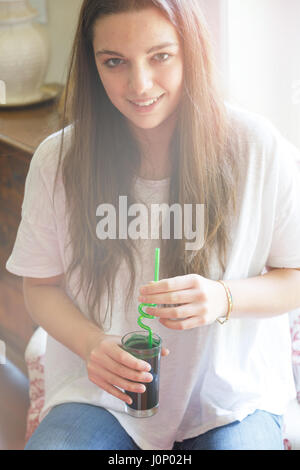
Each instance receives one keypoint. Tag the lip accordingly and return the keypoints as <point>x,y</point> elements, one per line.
<point>146,99</point>
<point>146,109</point>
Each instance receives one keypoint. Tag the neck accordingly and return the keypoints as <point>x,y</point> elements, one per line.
<point>154,145</point>
<point>155,168</point>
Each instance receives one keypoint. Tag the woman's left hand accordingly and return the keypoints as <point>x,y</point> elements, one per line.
<point>201,301</point>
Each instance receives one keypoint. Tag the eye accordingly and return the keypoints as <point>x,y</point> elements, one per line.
<point>111,65</point>
<point>107,63</point>
<point>164,54</point>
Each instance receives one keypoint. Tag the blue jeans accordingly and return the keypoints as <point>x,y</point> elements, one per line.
<point>78,426</point>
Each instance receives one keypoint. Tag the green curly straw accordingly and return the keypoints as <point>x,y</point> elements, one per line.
<point>140,308</point>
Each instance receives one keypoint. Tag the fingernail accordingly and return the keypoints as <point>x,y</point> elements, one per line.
<point>150,310</point>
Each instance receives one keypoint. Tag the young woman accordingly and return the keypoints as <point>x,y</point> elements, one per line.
<point>228,377</point>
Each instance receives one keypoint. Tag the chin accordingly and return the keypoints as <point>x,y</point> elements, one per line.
<point>142,124</point>
<point>149,126</point>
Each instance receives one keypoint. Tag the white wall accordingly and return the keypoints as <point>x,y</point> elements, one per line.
<point>215,12</point>
<point>62,16</point>
<point>264,60</point>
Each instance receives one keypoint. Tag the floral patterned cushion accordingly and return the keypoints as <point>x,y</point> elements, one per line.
<point>292,416</point>
<point>34,357</point>
<point>295,335</point>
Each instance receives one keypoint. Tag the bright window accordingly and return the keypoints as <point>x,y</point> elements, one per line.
<point>263,60</point>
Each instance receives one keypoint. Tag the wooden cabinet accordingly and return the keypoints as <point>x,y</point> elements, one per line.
<point>14,166</point>
<point>20,134</point>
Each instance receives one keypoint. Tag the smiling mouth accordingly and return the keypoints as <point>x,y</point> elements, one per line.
<point>147,102</point>
<point>147,108</point>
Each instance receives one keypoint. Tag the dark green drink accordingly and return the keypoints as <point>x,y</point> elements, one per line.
<point>137,343</point>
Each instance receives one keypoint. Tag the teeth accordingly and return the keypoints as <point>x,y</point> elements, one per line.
<point>147,103</point>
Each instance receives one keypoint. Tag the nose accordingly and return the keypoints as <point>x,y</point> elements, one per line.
<point>140,81</point>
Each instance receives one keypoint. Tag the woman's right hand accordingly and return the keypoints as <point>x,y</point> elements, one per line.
<point>109,367</point>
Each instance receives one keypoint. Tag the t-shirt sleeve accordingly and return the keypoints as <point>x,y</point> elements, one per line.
<point>285,247</point>
<point>36,249</point>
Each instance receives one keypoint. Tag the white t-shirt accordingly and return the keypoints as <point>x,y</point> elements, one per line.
<point>215,374</point>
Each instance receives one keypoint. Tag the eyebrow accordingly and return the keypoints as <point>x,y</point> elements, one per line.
<point>153,49</point>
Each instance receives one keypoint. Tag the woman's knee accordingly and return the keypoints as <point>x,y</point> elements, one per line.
<point>258,431</point>
<point>53,433</point>
<point>76,426</point>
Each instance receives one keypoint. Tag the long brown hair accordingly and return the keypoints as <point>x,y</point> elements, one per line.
<point>204,169</point>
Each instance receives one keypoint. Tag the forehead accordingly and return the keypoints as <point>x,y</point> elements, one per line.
<point>143,28</point>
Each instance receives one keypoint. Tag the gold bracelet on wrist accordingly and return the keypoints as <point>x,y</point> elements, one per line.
<point>223,320</point>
